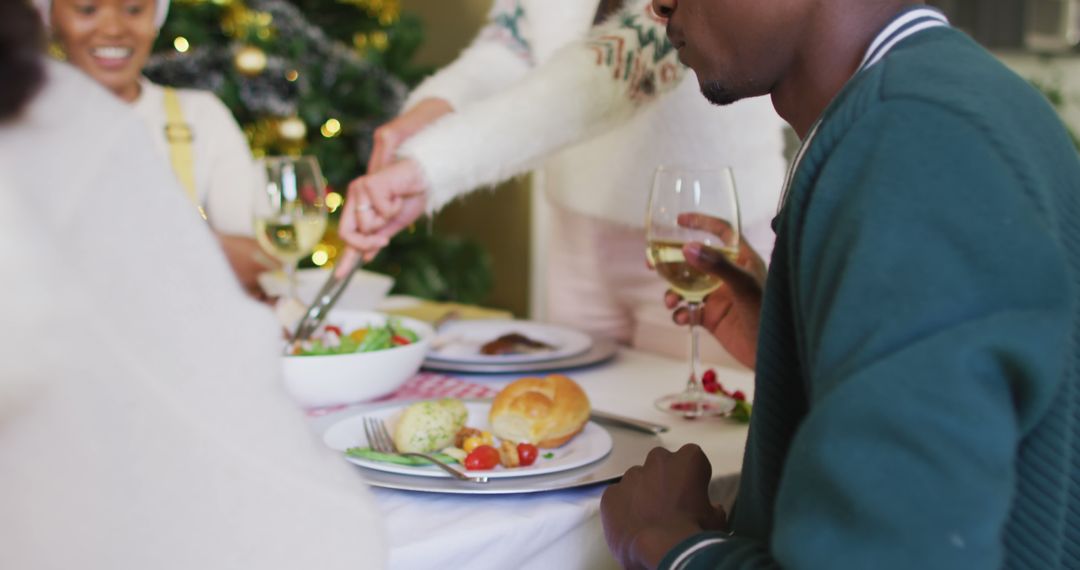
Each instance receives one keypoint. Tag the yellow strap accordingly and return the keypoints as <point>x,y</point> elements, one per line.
<point>179,136</point>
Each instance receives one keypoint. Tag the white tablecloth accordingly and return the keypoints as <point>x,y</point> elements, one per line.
<point>556,530</point>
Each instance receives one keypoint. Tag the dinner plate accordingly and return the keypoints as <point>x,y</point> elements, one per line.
<point>460,341</point>
<point>589,446</point>
<point>602,350</point>
<point>629,448</point>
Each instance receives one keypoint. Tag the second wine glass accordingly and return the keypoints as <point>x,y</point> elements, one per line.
<point>691,205</point>
<point>290,210</point>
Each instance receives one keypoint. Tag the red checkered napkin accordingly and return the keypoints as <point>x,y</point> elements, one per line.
<point>423,386</point>
<point>426,385</point>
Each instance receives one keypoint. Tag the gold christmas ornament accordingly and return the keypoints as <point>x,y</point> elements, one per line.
<point>250,61</point>
<point>241,23</point>
<point>292,129</point>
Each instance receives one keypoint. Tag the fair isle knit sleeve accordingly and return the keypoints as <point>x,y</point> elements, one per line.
<point>583,90</point>
<point>499,55</point>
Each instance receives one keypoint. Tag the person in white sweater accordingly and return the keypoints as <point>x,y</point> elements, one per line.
<point>538,78</point>
<point>141,421</point>
<point>111,40</point>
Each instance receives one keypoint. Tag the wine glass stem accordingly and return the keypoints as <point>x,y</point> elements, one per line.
<point>692,385</point>
<point>290,278</point>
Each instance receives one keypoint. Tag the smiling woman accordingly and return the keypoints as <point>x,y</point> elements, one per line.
<point>108,39</point>
<point>111,41</point>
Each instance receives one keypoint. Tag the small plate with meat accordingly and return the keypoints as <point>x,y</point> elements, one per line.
<point>506,341</point>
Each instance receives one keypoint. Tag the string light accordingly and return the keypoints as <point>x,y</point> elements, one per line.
<point>181,44</point>
<point>292,75</point>
<point>380,40</point>
<point>334,201</point>
<point>331,128</point>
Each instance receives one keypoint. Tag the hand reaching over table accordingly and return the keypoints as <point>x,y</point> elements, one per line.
<point>392,195</point>
<point>391,135</point>
<point>378,206</point>
<point>732,312</point>
<point>658,505</point>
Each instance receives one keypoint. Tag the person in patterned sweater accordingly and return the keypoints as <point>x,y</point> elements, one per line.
<point>597,107</point>
<point>917,399</point>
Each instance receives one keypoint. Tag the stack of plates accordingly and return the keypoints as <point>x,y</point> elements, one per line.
<point>598,454</point>
<point>457,348</point>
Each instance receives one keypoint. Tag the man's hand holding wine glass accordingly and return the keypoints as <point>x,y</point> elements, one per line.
<point>731,312</point>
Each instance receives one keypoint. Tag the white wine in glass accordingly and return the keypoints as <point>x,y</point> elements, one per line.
<point>290,210</point>
<point>692,205</point>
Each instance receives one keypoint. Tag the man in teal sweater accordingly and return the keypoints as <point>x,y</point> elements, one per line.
<point>917,402</point>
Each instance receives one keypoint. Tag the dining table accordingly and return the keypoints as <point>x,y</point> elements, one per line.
<point>560,528</point>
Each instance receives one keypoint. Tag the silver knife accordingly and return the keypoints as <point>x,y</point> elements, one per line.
<point>631,423</point>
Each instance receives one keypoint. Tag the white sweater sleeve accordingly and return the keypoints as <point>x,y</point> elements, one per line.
<point>583,90</point>
<point>499,55</point>
<point>231,169</point>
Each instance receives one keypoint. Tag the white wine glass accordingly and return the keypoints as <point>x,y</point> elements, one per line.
<point>290,210</point>
<point>677,191</point>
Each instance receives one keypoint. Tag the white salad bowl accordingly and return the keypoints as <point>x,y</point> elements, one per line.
<point>316,381</point>
<point>364,292</point>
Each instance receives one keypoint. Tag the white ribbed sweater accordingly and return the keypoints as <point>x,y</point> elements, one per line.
<point>520,97</point>
<point>142,420</point>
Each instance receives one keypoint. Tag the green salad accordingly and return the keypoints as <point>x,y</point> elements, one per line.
<point>330,339</point>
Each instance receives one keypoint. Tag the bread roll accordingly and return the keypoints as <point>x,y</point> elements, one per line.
<point>546,412</point>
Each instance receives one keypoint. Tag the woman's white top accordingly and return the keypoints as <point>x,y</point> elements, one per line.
<point>142,420</point>
<point>224,170</point>
<point>540,77</point>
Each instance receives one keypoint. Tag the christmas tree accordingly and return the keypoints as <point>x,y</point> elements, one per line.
<point>316,77</point>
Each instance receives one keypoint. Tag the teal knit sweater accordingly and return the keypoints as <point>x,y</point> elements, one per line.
<point>917,401</point>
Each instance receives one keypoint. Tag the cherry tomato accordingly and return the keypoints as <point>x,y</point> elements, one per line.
<point>334,329</point>
<point>738,395</point>
<point>399,340</point>
<point>527,453</point>
<point>481,458</point>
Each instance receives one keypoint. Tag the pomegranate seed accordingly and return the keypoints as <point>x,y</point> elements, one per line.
<point>709,383</point>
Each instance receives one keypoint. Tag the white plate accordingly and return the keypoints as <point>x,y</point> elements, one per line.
<point>592,444</point>
<point>460,341</point>
<point>603,349</point>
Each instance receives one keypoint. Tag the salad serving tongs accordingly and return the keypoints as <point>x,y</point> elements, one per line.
<point>323,302</point>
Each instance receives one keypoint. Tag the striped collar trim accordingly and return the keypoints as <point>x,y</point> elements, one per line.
<point>907,24</point>
<point>903,26</point>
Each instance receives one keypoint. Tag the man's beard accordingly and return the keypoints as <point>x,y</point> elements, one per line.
<point>717,93</point>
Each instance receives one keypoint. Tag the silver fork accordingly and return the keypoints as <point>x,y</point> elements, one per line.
<point>379,439</point>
